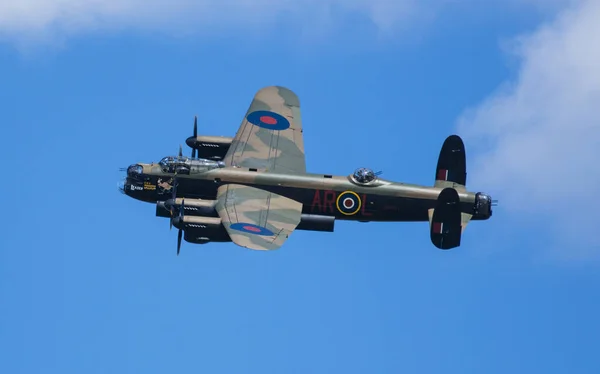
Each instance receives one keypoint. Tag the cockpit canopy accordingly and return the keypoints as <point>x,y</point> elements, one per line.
<point>364,176</point>
<point>183,164</point>
<point>170,164</point>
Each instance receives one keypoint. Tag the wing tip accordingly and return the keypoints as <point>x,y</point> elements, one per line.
<point>287,94</point>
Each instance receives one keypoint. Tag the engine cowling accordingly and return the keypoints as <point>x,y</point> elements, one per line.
<point>201,230</point>
<point>192,207</point>
<point>210,147</point>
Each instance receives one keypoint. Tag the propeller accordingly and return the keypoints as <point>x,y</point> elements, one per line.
<point>180,233</point>
<point>170,204</point>
<point>195,135</point>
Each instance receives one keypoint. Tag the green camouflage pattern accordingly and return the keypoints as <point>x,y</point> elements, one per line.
<point>380,186</point>
<point>265,149</point>
<point>249,205</point>
<point>265,156</point>
<point>441,184</point>
<point>327,182</point>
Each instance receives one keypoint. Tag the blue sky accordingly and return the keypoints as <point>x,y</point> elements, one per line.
<point>89,279</point>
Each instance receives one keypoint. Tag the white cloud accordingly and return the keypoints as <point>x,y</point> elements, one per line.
<point>31,21</point>
<point>539,135</point>
<point>41,19</point>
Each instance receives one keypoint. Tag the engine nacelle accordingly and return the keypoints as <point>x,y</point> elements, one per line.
<point>313,222</point>
<point>201,223</point>
<point>192,207</point>
<point>201,230</point>
<point>210,147</point>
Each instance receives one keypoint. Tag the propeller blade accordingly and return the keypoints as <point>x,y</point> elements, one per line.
<point>180,153</point>
<point>181,225</point>
<point>179,241</point>
<point>195,135</point>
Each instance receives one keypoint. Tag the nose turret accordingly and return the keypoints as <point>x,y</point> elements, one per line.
<point>134,171</point>
<point>138,184</point>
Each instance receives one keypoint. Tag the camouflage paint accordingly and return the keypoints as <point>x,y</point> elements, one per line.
<point>262,187</point>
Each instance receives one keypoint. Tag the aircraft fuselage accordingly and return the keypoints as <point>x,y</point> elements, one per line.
<point>327,195</point>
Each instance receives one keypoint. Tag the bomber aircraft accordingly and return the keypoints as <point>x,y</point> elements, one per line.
<point>254,190</point>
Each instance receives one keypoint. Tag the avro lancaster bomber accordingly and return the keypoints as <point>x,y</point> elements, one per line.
<point>254,189</point>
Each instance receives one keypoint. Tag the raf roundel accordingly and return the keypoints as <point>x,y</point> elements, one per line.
<point>348,203</point>
<point>268,120</point>
<point>251,228</point>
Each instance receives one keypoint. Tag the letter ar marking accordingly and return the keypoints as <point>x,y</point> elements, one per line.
<point>329,199</point>
<point>316,203</point>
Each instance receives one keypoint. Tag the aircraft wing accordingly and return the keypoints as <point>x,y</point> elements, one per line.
<point>255,218</point>
<point>270,136</point>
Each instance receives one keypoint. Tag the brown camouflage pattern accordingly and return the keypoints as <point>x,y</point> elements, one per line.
<point>259,156</point>
<point>280,151</point>
<point>243,204</point>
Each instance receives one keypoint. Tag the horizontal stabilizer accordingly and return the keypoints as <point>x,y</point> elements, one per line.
<point>445,222</point>
<point>451,170</point>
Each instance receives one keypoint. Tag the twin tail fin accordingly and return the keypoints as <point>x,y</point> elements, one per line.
<point>446,221</point>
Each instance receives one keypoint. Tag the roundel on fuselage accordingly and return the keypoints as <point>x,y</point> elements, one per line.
<point>348,203</point>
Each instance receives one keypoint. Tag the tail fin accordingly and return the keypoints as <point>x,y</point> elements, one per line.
<point>451,170</point>
<point>445,220</point>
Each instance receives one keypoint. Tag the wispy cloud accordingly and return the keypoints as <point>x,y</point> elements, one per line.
<point>27,20</point>
<point>539,135</point>
<point>34,21</point>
